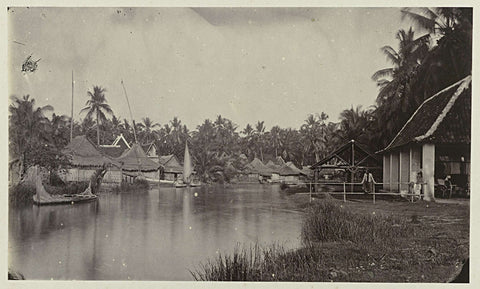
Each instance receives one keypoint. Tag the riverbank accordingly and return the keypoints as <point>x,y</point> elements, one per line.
<point>358,242</point>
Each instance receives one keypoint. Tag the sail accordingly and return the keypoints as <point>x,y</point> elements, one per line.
<point>187,165</point>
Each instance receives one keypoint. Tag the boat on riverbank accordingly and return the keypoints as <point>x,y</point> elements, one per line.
<point>42,197</point>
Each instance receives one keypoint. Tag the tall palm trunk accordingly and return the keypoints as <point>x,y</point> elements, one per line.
<point>98,131</point>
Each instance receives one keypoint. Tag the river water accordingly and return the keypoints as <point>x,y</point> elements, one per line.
<point>159,234</point>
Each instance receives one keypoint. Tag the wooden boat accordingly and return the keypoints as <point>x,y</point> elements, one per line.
<point>42,197</point>
<point>179,184</point>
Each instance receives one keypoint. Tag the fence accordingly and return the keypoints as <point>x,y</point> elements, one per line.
<point>413,196</point>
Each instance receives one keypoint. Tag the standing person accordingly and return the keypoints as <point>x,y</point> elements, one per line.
<point>417,188</point>
<point>448,184</point>
<point>368,182</point>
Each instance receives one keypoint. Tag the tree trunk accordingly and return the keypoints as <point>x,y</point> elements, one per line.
<point>98,131</point>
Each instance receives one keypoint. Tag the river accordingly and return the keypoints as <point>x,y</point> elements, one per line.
<point>159,234</point>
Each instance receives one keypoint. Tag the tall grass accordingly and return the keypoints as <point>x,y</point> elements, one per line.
<point>334,239</point>
<point>330,221</point>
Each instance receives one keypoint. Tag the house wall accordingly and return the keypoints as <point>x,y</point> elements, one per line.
<point>172,176</point>
<point>113,176</point>
<point>404,169</point>
<point>428,170</point>
<point>394,171</point>
<point>386,171</point>
<point>291,180</point>
<point>151,175</point>
<point>77,174</point>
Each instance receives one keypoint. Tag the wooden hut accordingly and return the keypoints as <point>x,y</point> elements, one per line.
<point>135,162</point>
<point>150,150</point>
<point>435,140</point>
<point>117,148</point>
<point>290,174</point>
<point>275,171</point>
<point>85,159</point>
<point>352,158</point>
<point>257,171</point>
<point>172,169</point>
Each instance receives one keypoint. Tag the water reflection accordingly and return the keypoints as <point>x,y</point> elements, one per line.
<point>154,235</point>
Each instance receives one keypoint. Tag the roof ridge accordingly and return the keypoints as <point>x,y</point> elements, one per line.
<point>469,77</point>
<point>464,85</point>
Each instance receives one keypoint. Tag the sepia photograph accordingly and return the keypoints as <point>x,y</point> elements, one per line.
<point>280,144</point>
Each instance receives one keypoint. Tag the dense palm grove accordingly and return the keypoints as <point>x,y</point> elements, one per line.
<point>421,66</point>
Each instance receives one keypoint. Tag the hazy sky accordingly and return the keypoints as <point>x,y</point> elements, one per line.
<point>247,64</point>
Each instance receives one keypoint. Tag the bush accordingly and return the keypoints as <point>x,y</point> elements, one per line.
<point>68,189</point>
<point>21,194</point>
<point>138,184</point>
<point>329,221</point>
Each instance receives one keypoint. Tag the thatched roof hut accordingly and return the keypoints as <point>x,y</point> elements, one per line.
<point>257,167</point>
<point>83,153</point>
<point>135,159</point>
<point>170,164</point>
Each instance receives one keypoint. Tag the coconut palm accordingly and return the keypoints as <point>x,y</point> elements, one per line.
<point>147,127</point>
<point>97,105</point>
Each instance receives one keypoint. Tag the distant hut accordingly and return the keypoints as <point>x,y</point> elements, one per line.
<point>275,171</point>
<point>150,150</point>
<point>117,148</point>
<point>172,169</point>
<point>290,174</point>
<point>135,162</point>
<point>257,171</point>
<point>435,140</point>
<point>85,159</point>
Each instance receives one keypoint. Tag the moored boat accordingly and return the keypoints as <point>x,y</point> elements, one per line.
<point>42,197</point>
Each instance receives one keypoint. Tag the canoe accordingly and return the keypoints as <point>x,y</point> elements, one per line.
<point>42,197</point>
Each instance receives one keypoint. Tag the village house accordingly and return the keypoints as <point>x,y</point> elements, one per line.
<point>117,148</point>
<point>134,162</point>
<point>150,150</point>
<point>172,169</point>
<point>85,159</point>
<point>435,141</point>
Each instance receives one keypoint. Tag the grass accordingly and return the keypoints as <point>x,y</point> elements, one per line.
<point>357,242</point>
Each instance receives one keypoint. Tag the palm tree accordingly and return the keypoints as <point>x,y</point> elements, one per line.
<point>97,105</point>
<point>275,138</point>
<point>258,136</point>
<point>147,129</point>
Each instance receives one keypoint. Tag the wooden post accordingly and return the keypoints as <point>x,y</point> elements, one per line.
<point>344,193</point>
<point>310,191</point>
<point>373,191</point>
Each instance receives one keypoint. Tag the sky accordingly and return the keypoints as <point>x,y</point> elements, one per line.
<point>276,65</point>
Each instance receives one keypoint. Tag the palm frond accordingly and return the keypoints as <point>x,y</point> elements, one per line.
<point>423,21</point>
<point>382,73</point>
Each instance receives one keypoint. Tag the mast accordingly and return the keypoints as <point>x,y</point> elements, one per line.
<point>134,133</point>
<point>130,110</point>
<point>71,118</point>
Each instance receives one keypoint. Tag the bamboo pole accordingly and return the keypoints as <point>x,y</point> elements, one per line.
<point>344,193</point>
<point>71,118</point>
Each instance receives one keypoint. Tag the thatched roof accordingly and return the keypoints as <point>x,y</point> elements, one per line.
<point>112,151</point>
<point>135,159</point>
<point>443,118</point>
<point>257,167</point>
<point>170,164</point>
<point>83,153</point>
<point>273,167</point>
<point>279,161</point>
<point>286,170</point>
